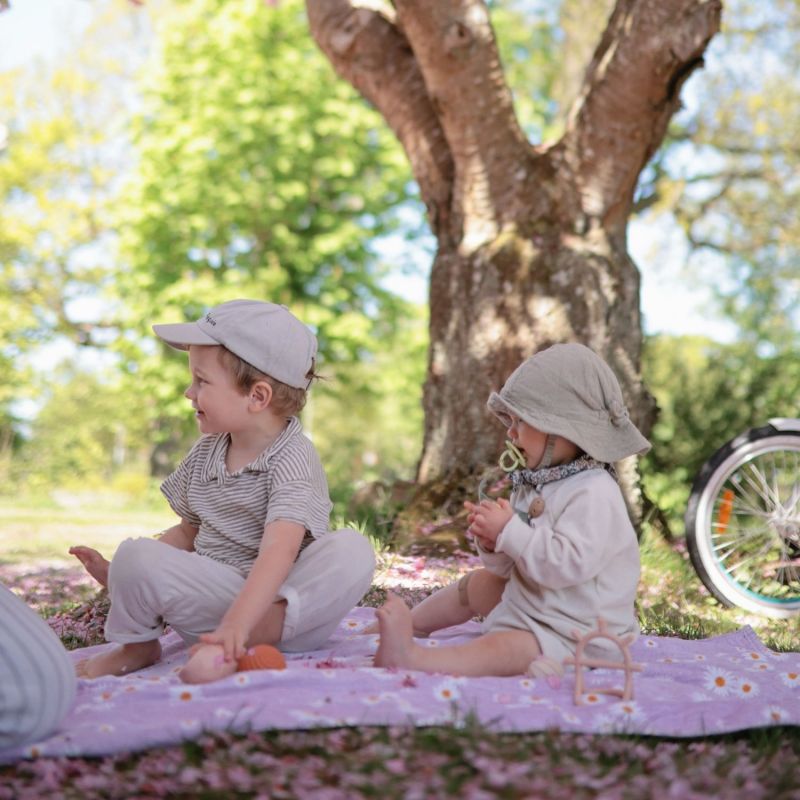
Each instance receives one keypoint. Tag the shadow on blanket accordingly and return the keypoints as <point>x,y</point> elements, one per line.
<point>687,688</point>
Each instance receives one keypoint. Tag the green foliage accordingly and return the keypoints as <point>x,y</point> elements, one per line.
<point>528,50</point>
<point>728,175</point>
<point>707,393</point>
<point>59,173</point>
<point>366,420</point>
<point>255,172</point>
<point>87,431</point>
<point>260,174</point>
<point>12,381</point>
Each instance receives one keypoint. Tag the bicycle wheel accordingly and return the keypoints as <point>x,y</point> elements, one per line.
<point>743,522</point>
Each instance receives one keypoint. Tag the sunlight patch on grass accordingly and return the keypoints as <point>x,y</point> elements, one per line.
<point>45,534</point>
<point>673,601</point>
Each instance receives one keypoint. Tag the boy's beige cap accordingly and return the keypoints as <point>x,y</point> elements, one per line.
<point>570,391</point>
<point>266,335</point>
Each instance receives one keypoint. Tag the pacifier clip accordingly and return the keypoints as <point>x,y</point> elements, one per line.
<point>512,459</point>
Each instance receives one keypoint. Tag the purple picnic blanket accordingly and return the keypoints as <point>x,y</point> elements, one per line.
<point>686,688</point>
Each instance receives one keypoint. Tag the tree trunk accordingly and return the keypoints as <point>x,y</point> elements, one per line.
<point>531,238</point>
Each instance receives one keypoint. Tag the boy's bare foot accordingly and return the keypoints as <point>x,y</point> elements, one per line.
<point>206,663</point>
<point>95,564</point>
<point>396,647</point>
<point>121,660</point>
<point>374,627</point>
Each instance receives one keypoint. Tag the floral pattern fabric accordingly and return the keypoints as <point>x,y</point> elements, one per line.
<point>686,688</point>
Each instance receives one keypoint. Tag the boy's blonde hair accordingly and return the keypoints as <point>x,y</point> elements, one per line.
<point>286,400</point>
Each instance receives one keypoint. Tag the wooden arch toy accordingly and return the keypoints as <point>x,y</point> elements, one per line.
<point>580,661</point>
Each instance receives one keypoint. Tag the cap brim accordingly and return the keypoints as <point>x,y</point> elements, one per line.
<point>182,334</point>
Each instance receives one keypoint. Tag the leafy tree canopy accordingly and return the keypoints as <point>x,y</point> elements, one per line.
<point>89,428</point>
<point>260,175</point>
<point>729,175</point>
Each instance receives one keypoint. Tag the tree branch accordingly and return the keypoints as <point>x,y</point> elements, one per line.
<point>631,90</point>
<point>729,178</point>
<point>455,48</point>
<point>365,46</point>
<point>748,149</point>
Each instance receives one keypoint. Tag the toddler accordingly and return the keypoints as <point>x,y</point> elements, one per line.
<point>561,553</point>
<point>251,560</point>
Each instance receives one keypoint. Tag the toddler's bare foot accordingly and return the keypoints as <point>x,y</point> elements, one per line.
<point>95,564</point>
<point>396,647</point>
<point>206,663</point>
<point>121,660</point>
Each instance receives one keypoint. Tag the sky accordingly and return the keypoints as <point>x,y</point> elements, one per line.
<point>670,302</point>
<point>33,29</point>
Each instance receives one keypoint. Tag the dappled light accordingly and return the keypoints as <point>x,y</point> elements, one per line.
<point>436,194</point>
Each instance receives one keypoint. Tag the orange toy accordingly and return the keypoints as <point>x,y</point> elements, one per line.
<point>262,656</point>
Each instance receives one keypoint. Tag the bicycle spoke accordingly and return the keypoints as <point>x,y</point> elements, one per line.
<point>764,490</point>
<point>787,575</point>
<point>742,525</point>
<point>743,501</point>
<point>791,504</point>
<point>741,533</point>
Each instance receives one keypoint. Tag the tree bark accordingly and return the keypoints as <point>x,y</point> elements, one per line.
<point>531,237</point>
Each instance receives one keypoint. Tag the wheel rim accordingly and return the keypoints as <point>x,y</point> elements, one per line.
<point>749,519</point>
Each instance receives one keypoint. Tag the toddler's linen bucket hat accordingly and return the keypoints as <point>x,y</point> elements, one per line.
<point>265,335</point>
<point>568,390</point>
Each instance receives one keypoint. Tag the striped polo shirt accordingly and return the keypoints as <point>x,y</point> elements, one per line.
<point>230,509</point>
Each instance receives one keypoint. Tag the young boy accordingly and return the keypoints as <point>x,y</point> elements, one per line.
<point>251,560</point>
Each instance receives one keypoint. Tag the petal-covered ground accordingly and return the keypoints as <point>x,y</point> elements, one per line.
<point>469,761</point>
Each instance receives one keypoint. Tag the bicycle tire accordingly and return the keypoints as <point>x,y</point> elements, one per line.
<point>743,522</point>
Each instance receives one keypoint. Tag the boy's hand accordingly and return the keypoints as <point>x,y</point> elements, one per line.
<point>96,565</point>
<point>232,638</point>
<point>487,520</point>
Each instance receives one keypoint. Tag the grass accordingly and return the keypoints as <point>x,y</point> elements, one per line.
<point>33,534</point>
<point>469,760</point>
<point>673,602</point>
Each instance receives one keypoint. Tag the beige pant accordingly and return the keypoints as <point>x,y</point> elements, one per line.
<point>152,584</point>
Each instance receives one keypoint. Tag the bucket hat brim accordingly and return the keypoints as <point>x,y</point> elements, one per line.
<point>569,391</point>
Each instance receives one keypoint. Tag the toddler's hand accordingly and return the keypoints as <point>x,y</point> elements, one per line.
<point>485,544</point>
<point>488,519</point>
